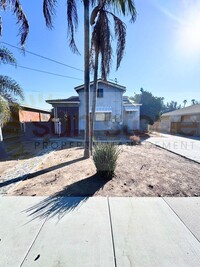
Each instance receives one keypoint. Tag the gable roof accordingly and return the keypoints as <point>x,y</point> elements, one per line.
<point>127,102</point>
<point>104,82</point>
<point>194,109</point>
<point>30,108</point>
<point>71,99</point>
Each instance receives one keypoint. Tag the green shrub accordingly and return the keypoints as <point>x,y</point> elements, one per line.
<point>105,159</point>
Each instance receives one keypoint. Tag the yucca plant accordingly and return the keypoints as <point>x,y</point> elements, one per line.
<point>105,159</point>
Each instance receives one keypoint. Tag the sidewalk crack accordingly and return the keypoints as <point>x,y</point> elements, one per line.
<point>181,220</point>
<point>112,235</point>
<point>33,242</point>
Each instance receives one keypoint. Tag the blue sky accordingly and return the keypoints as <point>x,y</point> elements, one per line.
<point>162,52</point>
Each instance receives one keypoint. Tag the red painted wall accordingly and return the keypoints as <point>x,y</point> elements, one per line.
<point>33,116</point>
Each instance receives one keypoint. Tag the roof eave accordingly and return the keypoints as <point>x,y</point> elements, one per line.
<point>77,88</point>
<point>62,102</point>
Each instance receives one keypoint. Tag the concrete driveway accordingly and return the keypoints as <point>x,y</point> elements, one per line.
<point>186,147</point>
<point>61,231</point>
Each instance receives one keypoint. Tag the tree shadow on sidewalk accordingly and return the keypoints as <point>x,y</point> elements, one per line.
<point>62,202</point>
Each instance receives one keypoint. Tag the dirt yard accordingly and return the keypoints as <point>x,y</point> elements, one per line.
<point>143,170</point>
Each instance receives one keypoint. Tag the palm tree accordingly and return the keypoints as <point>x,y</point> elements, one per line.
<point>193,101</point>
<point>10,92</point>
<point>184,102</point>
<point>101,45</point>
<point>72,23</point>
<point>124,6</point>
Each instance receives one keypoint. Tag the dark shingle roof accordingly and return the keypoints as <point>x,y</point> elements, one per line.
<point>69,99</point>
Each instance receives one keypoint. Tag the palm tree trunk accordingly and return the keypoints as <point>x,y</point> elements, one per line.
<point>87,79</point>
<point>1,134</point>
<point>94,99</point>
<point>3,154</point>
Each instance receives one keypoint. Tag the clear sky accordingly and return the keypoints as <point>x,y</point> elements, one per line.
<point>162,52</point>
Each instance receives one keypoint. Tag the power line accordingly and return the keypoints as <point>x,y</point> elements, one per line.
<point>47,72</point>
<point>43,57</point>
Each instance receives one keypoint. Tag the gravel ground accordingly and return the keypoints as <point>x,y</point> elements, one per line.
<point>13,171</point>
<point>143,170</point>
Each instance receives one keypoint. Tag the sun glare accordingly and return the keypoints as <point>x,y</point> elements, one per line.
<point>186,18</point>
<point>190,35</point>
<point>189,31</point>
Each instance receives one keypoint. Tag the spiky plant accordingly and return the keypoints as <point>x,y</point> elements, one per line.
<point>105,159</point>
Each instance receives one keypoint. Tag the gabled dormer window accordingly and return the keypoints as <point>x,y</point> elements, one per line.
<point>100,92</point>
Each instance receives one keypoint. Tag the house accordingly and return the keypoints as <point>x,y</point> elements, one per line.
<point>22,120</point>
<point>66,115</point>
<point>184,121</point>
<point>113,110</point>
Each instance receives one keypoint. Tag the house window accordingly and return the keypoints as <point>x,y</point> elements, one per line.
<point>100,93</point>
<point>102,116</point>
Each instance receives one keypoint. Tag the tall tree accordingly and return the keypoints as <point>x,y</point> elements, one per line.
<point>87,148</point>
<point>49,10</point>
<point>10,93</point>
<point>72,24</point>
<point>184,102</point>
<point>101,44</point>
<point>10,90</point>
<point>152,106</point>
<point>172,105</point>
<point>125,7</point>
<point>194,102</point>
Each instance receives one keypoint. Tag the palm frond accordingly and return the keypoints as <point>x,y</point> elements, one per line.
<point>120,34</point>
<point>92,58</point>
<point>10,88</point>
<point>20,15</point>
<point>126,7</point>
<point>94,14</point>
<point>22,21</point>
<point>49,11</point>
<point>72,20</point>
<point>6,56</point>
<point>105,42</point>
<point>3,4</point>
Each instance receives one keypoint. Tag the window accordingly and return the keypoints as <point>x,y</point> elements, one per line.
<point>100,93</point>
<point>102,116</point>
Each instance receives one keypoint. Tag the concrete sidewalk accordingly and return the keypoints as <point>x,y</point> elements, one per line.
<point>61,231</point>
<point>186,147</point>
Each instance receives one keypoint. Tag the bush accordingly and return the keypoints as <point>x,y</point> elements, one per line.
<point>105,159</point>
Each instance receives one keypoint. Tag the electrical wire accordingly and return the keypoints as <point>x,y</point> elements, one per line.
<point>47,72</point>
<point>43,57</point>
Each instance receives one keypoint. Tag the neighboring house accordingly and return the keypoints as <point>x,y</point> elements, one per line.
<point>22,119</point>
<point>113,111</point>
<point>182,121</point>
<point>33,114</point>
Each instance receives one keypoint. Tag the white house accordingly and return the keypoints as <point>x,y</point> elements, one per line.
<point>113,110</point>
